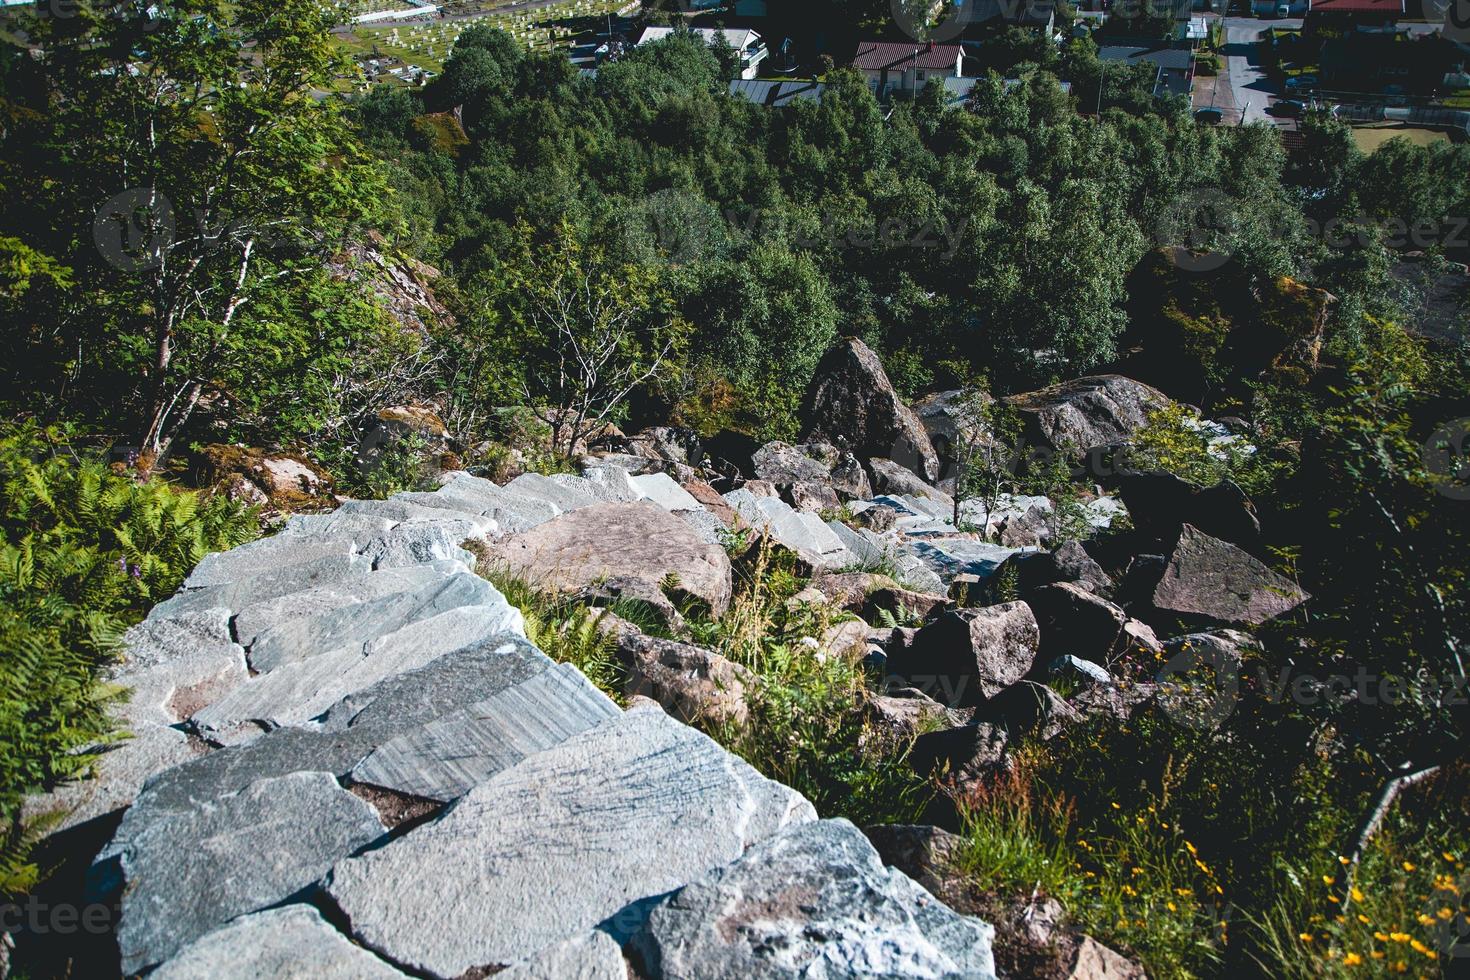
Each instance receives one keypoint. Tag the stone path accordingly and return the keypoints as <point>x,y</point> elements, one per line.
<point>347,760</point>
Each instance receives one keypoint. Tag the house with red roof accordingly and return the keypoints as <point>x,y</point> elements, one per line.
<point>898,66</point>
<point>1339,15</point>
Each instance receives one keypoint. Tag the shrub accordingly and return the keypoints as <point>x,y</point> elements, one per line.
<point>86,551</point>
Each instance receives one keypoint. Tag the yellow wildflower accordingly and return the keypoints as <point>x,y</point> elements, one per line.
<point>1352,959</point>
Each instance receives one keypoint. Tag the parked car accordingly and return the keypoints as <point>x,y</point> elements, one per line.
<point>1209,116</point>
<point>1287,107</point>
<point>1302,83</point>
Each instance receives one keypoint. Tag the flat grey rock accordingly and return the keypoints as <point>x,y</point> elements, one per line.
<point>814,901</point>
<point>405,512</point>
<point>353,727</point>
<point>537,487</point>
<point>550,848</point>
<point>263,587</point>
<point>300,638</point>
<point>594,956</point>
<point>289,943</point>
<point>614,480</point>
<point>297,692</point>
<point>801,532</point>
<point>662,490</point>
<point>709,528</point>
<point>417,543</point>
<point>265,555</point>
<point>186,872</point>
<point>513,513</point>
<point>172,666</point>
<point>355,526</point>
<point>252,620</point>
<point>446,758</point>
<point>600,491</point>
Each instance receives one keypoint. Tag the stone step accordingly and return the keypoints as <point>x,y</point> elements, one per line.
<point>534,486</point>
<point>446,758</point>
<point>270,584</point>
<point>298,692</point>
<point>583,834</point>
<point>182,874</point>
<point>302,637</point>
<point>277,944</point>
<point>662,490</point>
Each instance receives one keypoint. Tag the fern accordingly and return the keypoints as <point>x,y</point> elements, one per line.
<point>85,552</point>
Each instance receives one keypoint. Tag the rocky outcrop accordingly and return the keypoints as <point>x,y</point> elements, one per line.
<point>614,540</point>
<point>280,480</point>
<point>852,404</point>
<point>1214,580</point>
<point>403,285</point>
<point>807,903</point>
<point>1085,414</point>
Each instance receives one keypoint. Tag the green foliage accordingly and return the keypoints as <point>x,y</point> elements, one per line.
<point>1175,441</point>
<point>85,552</point>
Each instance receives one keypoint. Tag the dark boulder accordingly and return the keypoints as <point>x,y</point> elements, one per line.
<point>852,404</point>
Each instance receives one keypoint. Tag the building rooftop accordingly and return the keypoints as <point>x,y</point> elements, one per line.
<point>877,55</point>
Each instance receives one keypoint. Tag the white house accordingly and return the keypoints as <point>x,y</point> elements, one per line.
<point>747,43</point>
<point>906,67</point>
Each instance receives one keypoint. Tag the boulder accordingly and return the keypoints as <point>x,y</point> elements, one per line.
<point>1029,529</point>
<point>924,852</point>
<point>246,851</point>
<point>1094,961</point>
<point>1069,563</point>
<point>1086,414</point>
<point>942,418</point>
<point>635,540</point>
<point>784,464</point>
<point>596,829</point>
<point>276,944</point>
<point>691,683</point>
<point>849,479</point>
<point>960,756</point>
<point>901,714</point>
<point>286,481</point>
<point>668,443</point>
<point>709,498</point>
<point>408,428</point>
<point>1214,580</point>
<point>812,497</point>
<point>852,404</point>
<point>815,900</point>
<point>1075,621</point>
<point>1161,504</point>
<point>966,656</point>
<point>1032,708</point>
<point>896,480</point>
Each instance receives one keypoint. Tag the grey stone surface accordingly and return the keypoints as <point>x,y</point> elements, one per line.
<point>289,943</point>
<point>184,873</point>
<point>594,956</point>
<point>297,692</point>
<point>406,512</point>
<point>267,585</point>
<point>614,480</point>
<point>803,533</point>
<point>302,637</point>
<point>662,490</point>
<point>707,526</point>
<point>265,555</point>
<point>971,655</point>
<point>537,487</point>
<point>1214,579</point>
<point>555,845</point>
<point>813,901</point>
<point>449,756</point>
<point>255,618</point>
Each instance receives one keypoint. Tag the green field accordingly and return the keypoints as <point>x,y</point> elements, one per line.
<point>1370,138</point>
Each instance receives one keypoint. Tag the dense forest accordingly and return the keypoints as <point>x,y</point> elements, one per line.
<point>187,209</point>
